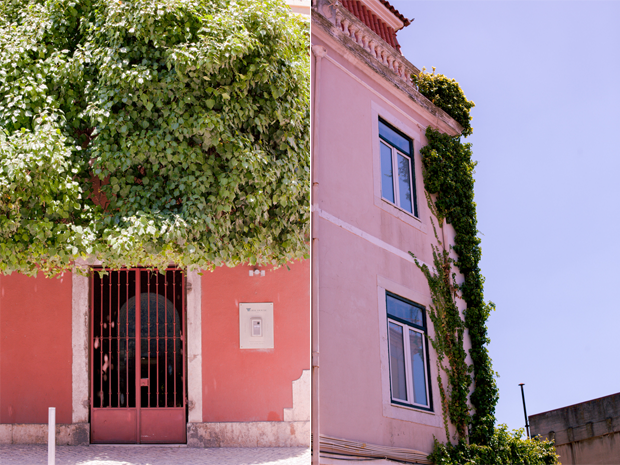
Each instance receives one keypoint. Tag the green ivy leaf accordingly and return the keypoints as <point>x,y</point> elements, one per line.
<point>120,118</point>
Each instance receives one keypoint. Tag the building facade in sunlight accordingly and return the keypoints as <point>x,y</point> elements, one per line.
<point>211,359</point>
<point>375,390</point>
<point>207,359</point>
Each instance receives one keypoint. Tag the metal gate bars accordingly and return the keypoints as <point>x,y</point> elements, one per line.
<point>138,377</point>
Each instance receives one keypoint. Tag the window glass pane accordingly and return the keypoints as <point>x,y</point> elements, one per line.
<point>402,143</point>
<point>387,182</point>
<point>397,362</point>
<point>404,183</point>
<point>404,311</point>
<point>417,367</point>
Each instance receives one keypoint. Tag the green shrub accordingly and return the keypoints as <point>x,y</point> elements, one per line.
<point>190,118</point>
<point>446,94</point>
<point>505,447</point>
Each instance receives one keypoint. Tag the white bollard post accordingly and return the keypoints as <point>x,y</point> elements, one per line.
<point>51,437</point>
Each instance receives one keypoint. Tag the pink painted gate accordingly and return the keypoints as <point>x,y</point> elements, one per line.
<point>138,377</point>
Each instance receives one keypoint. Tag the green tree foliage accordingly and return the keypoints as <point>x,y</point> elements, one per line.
<point>149,132</point>
<point>446,94</point>
<point>504,447</point>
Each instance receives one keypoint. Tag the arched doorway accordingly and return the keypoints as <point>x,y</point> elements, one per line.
<point>138,389</point>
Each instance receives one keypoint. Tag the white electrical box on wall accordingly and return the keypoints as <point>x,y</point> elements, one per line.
<point>256,325</point>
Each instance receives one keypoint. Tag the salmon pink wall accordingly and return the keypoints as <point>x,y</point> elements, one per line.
<point>245,384</point>
<point>35,348</point>
<point>363,248</point>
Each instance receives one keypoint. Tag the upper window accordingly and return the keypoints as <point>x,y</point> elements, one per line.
<point>397,157</point>
<point>407,348</point>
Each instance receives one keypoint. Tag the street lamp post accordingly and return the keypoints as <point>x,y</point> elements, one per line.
<point>527,426</point>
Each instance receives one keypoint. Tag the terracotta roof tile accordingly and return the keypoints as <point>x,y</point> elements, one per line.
<point>397,13</point>
<point>373,22</point>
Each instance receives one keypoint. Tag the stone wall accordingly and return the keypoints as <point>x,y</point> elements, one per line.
<point>66,435</point>
<point>585,433</point>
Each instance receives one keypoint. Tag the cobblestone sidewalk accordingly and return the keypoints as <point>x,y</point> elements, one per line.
<point>153,455</point>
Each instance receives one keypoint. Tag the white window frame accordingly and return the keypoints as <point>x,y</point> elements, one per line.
<point>396,179</point>
<point>399,411</point>
<point>395,175</point>
<point>408,373</point>
<point>407,352</point>
<point>408,125</point>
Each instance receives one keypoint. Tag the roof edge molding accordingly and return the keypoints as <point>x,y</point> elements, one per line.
<point>405,21</point>
<point>369,48</point>
<point>387,13</point>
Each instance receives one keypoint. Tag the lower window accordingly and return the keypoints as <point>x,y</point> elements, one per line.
<point>407,348</point>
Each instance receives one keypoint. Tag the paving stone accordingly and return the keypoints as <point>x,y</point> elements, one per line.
<point>18,454</point>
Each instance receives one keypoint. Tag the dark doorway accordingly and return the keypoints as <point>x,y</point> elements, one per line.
<point>138,380</point>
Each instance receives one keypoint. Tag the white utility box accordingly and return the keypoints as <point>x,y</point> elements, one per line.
<point>256,325</point>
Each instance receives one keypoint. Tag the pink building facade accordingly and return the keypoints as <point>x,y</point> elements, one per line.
<point>375,390</point>
<point>223,358</point>
<point>69,343</point>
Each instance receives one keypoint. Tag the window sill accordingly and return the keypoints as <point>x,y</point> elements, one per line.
<point>412,414</point>
<point>401,214</point>
<point>412,408</point>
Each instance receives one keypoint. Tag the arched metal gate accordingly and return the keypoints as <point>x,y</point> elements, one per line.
<point>138,377</point>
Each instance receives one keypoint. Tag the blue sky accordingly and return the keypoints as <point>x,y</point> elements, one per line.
<point>545,77</point>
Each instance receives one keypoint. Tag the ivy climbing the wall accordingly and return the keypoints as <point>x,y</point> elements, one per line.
<point>449,331</point>
<point>446,94</point>
<point>448,177</point>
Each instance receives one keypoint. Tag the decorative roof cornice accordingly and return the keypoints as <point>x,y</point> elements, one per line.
<point>397,13</point>
<point>368,48</point>
<point>367,13</point>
